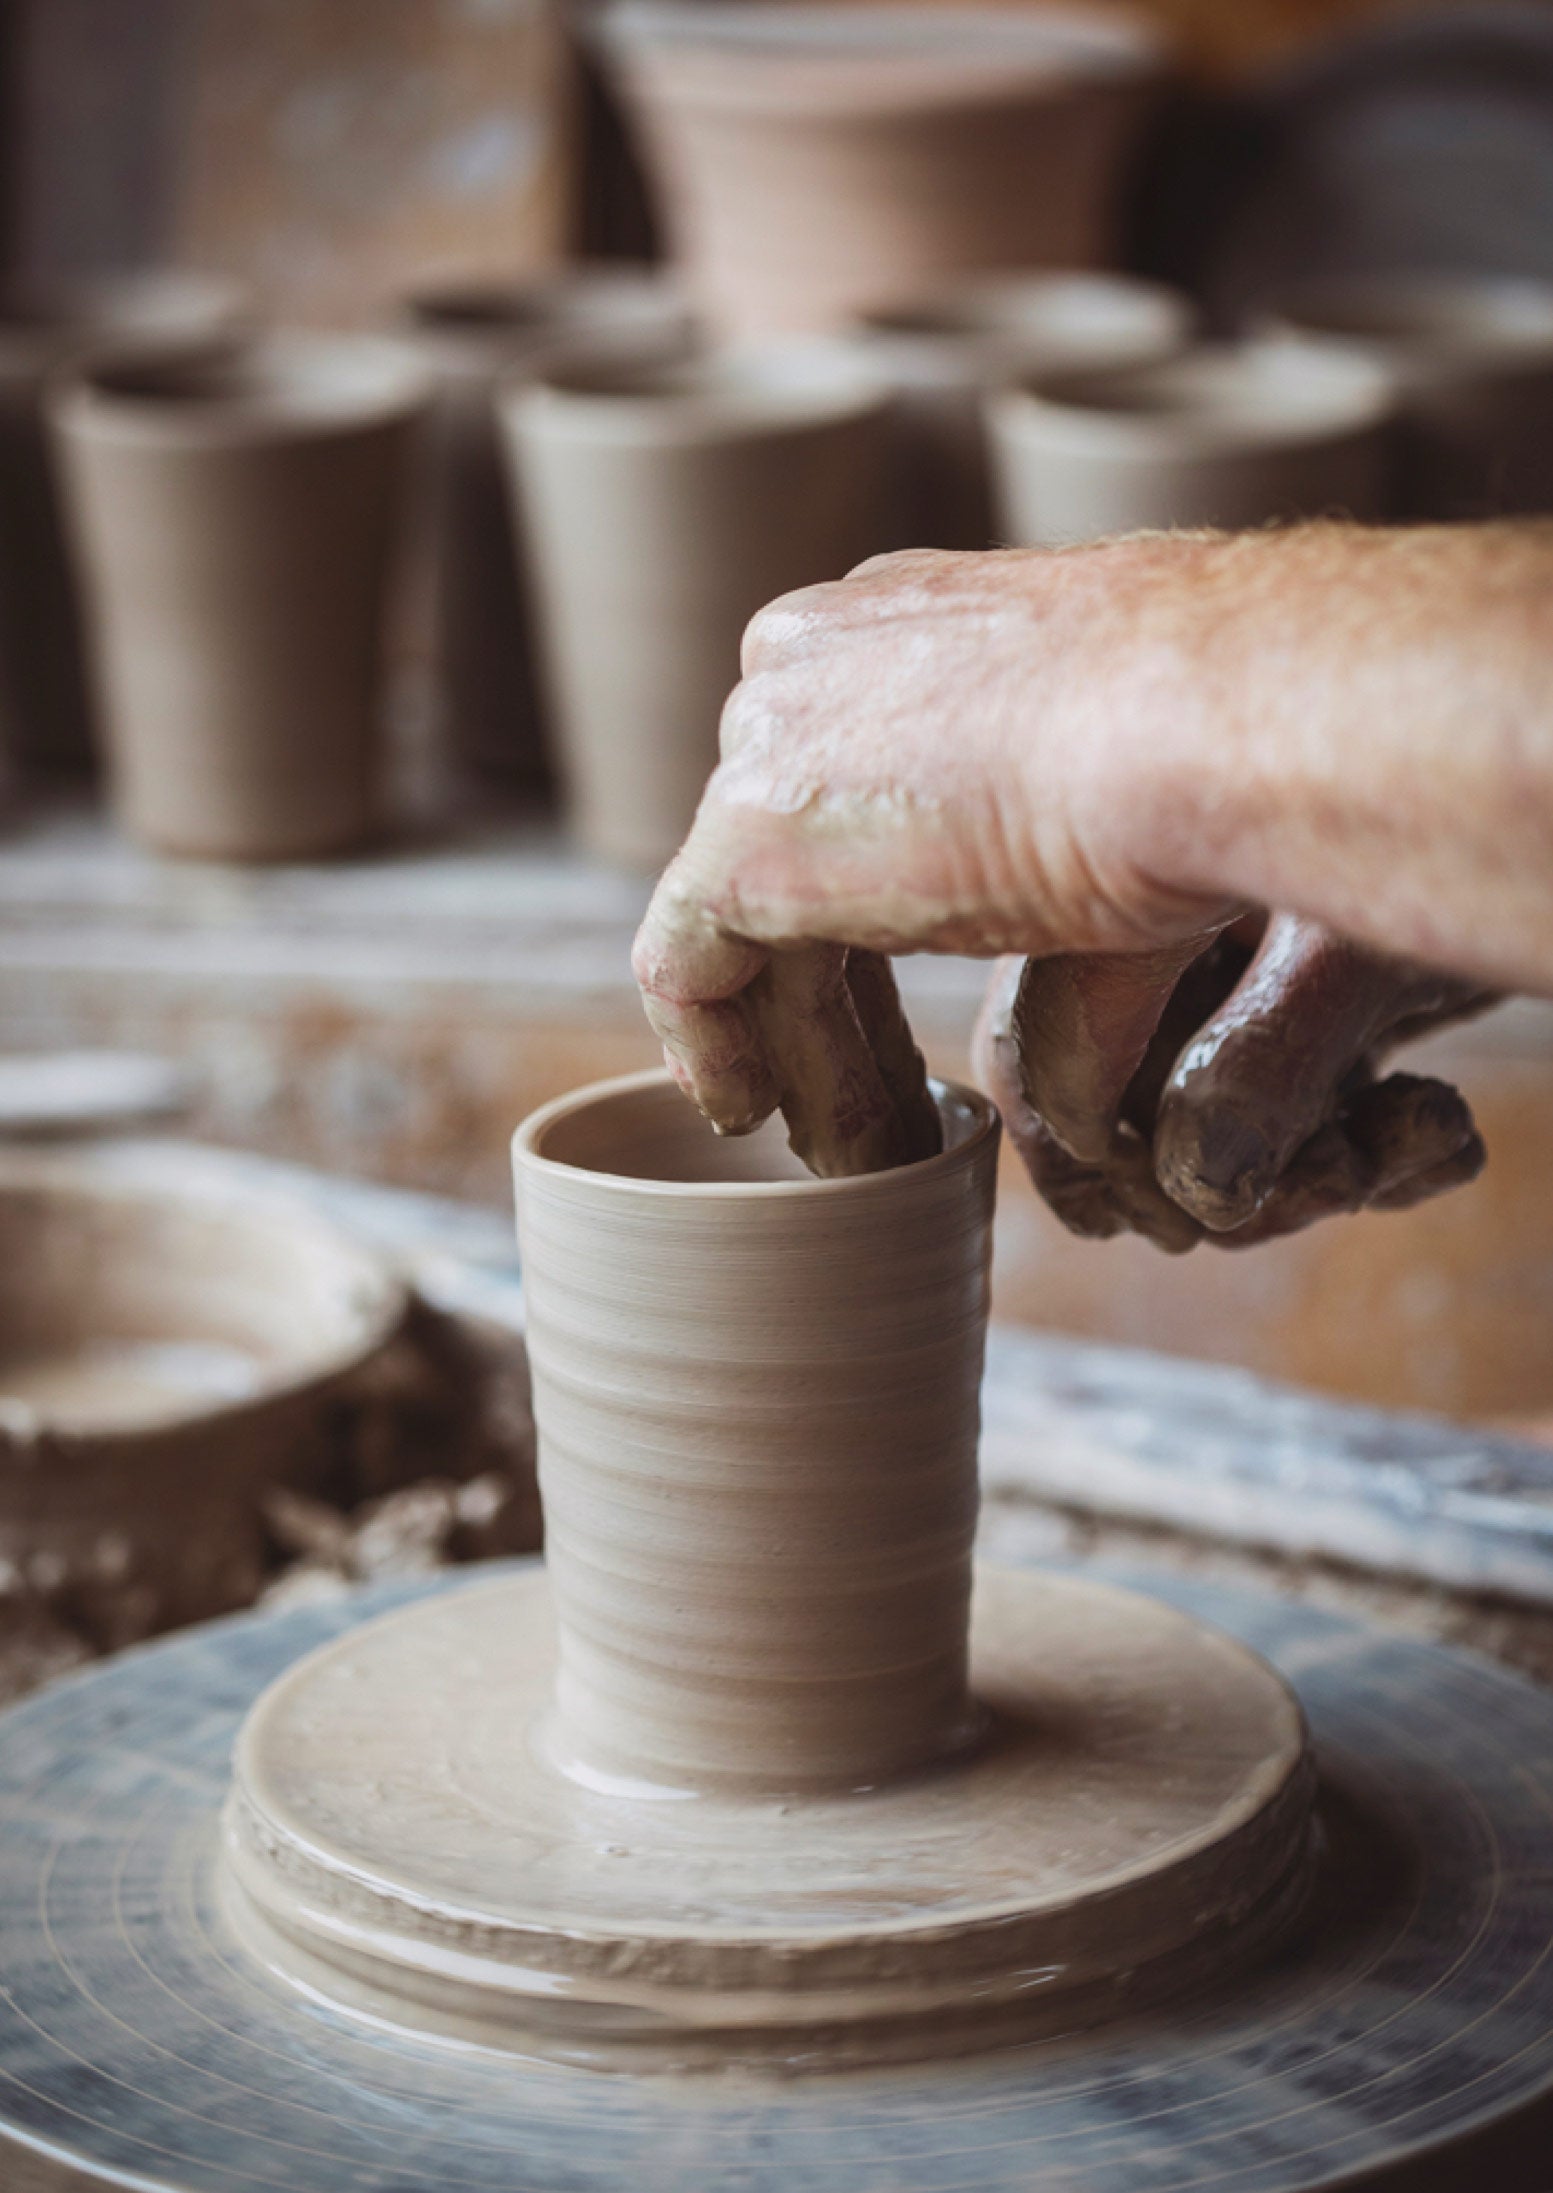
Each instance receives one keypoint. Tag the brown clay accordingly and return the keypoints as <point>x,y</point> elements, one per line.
<point>236,522</point>
<point>813,161</point>
<point>473,337</point>
<point>45,718</point>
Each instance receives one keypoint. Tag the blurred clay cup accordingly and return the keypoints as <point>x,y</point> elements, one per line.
<point>1226,436</point>
<point>1474,357</point>
<point>45,716</point>
<point>662,506</point>
<point>812,161</point>
<point>946,352</point>
<point>235,519</point>
<point>474,336</point>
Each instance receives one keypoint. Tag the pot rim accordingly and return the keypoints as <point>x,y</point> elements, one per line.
<point>529,1158</point>
<point>1340,395</point>
<point>1421,321</point>
<point>327,385</point>
<point>746,55</point>
<point>735,393</point>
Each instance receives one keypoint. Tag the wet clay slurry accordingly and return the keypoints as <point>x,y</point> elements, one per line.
<point>743,1779</point>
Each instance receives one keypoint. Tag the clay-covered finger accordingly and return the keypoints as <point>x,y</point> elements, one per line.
<point>1093,1201</point>
<point>695,981</point>
<point>1083,1023</point>
<point>840,1112</point>
<point>1395,1143</point>
<point>1275,1063</point>
<point>1418,1138</point>
<point>876,1001</point>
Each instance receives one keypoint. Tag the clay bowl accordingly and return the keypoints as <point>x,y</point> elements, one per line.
<point>661,506</point>
<point>1474,356</point>
<point>949,349</point>
<point>1222,435</point>
<point>472,337</point>
<point>235,519</point>
<point>812,161</point>
<point>45,718</point>
<point>164,1360</point>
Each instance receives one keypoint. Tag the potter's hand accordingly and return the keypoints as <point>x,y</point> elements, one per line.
<point>1115,751</point>
<point>1229,1095</point>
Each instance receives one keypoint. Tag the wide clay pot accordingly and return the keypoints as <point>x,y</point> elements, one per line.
<point>474,336</point>
<point>1220,436</point>
<point>165,1361</point>
<point>944,353</point>
<point>45,716</point>
<point>757,1398</point>
<point>813,161</point>
<point>661,507</point>
<point>1474,356</point>
<point>235,521</point>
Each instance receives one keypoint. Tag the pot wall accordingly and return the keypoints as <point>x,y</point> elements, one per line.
<point>757,1403</point>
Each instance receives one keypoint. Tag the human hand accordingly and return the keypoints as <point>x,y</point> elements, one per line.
<point>1232,1098</point>
<point>965,753</point>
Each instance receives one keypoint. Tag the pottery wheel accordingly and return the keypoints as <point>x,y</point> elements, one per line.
<point>142,2045</point>
<point>1132,1810</point>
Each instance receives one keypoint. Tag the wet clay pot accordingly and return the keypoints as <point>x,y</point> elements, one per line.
<point>661,507</point>
<point>1231,436</point>
<point>45,716</point>
<point>166,1359</point>
<point>1474,356</point>
<point>945,353</point>
<point>235,521</point>
<point>473,337</point>
<point>757,1402</point>
<point>812,161</point>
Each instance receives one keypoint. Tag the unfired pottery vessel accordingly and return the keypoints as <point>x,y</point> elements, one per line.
<point>742,1777</point>
<point>235,521</point>
<point>757,1398</point>
<point>1474,356</point>
<point>816,160</point>
<point>1232,436</point>
<point>473,336</point>
<point>164,1360</point>
<point>944,353</point>
<point>45,718</point>
<point>661,507</point>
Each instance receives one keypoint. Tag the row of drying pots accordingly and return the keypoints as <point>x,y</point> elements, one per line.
<point>661,501</point>
<point>609,497</point>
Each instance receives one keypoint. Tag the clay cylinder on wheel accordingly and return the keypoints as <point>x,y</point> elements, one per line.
<point>235,521</point>
<point>757,1396</point>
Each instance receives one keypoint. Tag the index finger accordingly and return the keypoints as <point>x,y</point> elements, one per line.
<point>694,978</point>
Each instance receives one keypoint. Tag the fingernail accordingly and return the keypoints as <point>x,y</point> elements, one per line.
<point>1232,1171</point>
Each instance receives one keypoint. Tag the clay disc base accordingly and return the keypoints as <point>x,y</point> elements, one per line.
<point>1136,1815</point>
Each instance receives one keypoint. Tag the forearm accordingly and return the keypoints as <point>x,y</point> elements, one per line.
<point>1359,726</point>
